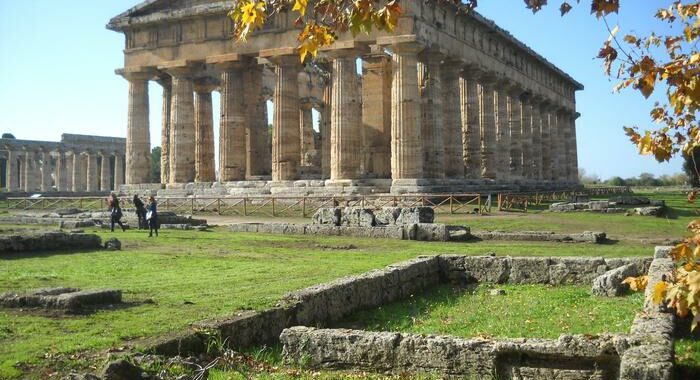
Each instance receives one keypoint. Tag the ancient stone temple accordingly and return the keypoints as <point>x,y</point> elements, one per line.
<point>448,102</point>
<point>77,163</point>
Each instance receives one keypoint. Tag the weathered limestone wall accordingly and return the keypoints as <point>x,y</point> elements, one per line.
<point>49,241</point>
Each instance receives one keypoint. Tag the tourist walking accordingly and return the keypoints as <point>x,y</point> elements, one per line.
<point>152,216</point>
<point>140,212</point>
<point>115,212</point>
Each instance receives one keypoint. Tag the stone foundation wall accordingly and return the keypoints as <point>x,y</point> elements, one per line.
<point>570,357</point>
<point>419,231</point>
<point>49,241</point>
<point>585,237</point>
<point>531,270</point>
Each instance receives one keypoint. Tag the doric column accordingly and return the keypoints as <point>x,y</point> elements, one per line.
<point>572,148</point>
<point>526,131</point>
<point>118,171</point>
<point>138,141</point>
<point>558,150</point>
<point>488,127</point>
<point>204,132</point>
<point>346,116</point>
<point>431,114</point>
<point>232,128</point>
<point>536,138</point>
<point>376,111</point>
<point>502,152</point>
<point>78,173</point>
<point>12,176</point>
<point>182,128</point>
<point>257,152</point>
<point>105,172</point>
<point>406,145</point>
<point>326,132</point>
<point>452,119</point>
<point>166,82</point>
<point>306,132</point>
<point>68,173</point>
<point>471,128</point>
<point>515,114</point>
<point>45,170</point>
<point>60,173</point>
<point>546,140</point>
<point>30,172</point>
<point>285,138</point>
<point>92,171</point>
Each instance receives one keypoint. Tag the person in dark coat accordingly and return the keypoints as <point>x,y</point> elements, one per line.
<point>115,212</point>
<point>152,216</point>
<point>140,212</point>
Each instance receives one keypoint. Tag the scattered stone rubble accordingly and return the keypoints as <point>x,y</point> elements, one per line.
<point>619,204</point>
<point>610,284</point>
<point>68,299</point>
<point>48,241</point>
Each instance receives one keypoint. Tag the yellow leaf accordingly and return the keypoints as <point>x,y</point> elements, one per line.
<point>300,6</point>
<point>637,283</point>
<point>659,292</point>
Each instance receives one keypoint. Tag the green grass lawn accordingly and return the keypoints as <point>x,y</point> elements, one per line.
<point>187,276</point>
<point>527,311</point>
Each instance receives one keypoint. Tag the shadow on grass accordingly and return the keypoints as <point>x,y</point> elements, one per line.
<point>40,254</point>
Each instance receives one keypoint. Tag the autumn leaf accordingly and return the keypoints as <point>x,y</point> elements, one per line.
<point>300,6</point>
<point>565,8</point>
<point>659,292</point>
<point>637,284</point>
<point>604,7</point>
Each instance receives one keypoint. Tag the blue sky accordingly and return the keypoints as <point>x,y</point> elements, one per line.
<point>58,60</point>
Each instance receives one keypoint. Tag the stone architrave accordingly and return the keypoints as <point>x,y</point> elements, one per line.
<point>306,132</point>
<point>92,172</point>
<point>471,129</point>
<point>232,127</point>
<point>78,172</point>
<point>346,116</point>
<point>526,135</point>
<point>45,170</point>
<point>166,83</point>
<point>105,172</point>
<point>452,119</point>
<point>204,132</point>
<point>138,141</point>
<point>515,164</point>
<point>406,145</point>
<point>432,124</point>
<point>12,176</point>
<point>376,111</point>
<point>488,127</point>
<point>536,138</point>
<point>118,171</point>
<point>502,151</point>
<point>257,134</point>
<point>182,128</point>
<point>285,138</point>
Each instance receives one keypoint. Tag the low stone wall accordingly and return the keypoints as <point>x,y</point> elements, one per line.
<point>570,357</point>
<point>82,219</point>
<point>62,298</point>
<point>621,204</point>
<point>314,306</point>
<point>49,241</point>
<point>531,270</point>
<point>420,231</point>
<point>585,237</point>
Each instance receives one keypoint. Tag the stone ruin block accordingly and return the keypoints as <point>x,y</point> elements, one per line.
<point>629,200</point>
<point>431,232</point>
<point>489,269</point>
<point>575,270</point>
<point>69,299</point>
<point>388,216</point>
<point>529,270</point>
<point>327,216</point>
<point>662,252</point>
<point>609,284</point>
<point>415,215</point>
<point>357,217</point>
<point>598,205</point>
<point>561,207</point>
<point>650,211</point>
